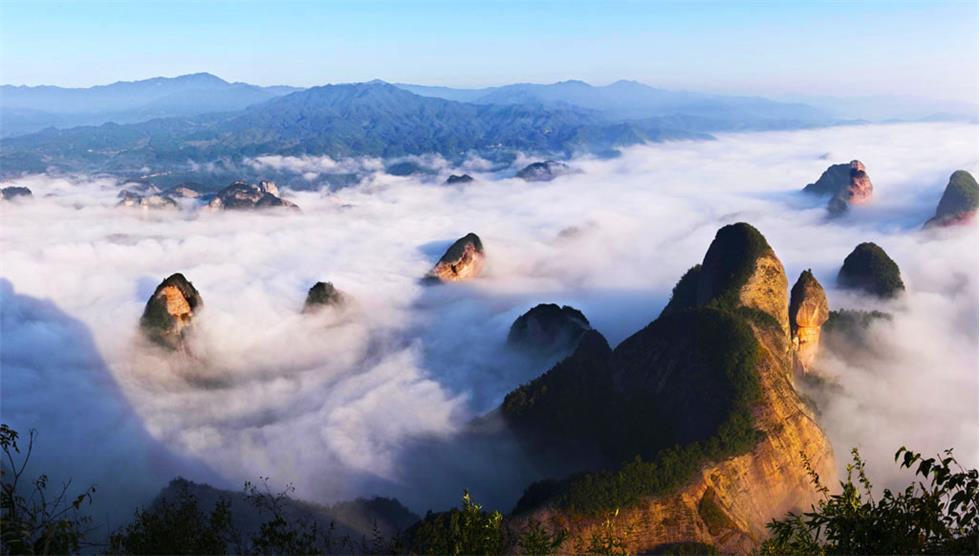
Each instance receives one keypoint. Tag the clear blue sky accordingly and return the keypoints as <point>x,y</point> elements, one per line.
<point>842,48</point>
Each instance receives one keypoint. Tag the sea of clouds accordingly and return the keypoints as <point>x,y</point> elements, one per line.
<point>338,404</point>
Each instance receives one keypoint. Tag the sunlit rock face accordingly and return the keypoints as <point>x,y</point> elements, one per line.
<point>847,184</point>
<point>740,268</point>
<point>15,192</point>
<point>170,311</point>
<point>463,261</point>
<point>958,204</point>
<point>808,311</point>
<point>548,328</point>
<point>247,196</point>
<point>870,270</point>
<point>322,295</point>
<point>727,325</point>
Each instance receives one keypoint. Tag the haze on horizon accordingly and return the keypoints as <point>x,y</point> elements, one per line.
<point>919,49</point>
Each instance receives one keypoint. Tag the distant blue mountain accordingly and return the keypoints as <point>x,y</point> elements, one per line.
<point>26,109</point>
<point>373,119</point>
<point>630,100</point>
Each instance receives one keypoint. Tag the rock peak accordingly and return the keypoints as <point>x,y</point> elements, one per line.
<point>741,269</point>
<point>170,311</point>
<point>242,195</point>
<point>548,328</point>
<point>322,294</point>
<point>847,184</point>
<point>462,261</point>
<point>808,311</point>
<point>959,202</point>
<point>869,269</point>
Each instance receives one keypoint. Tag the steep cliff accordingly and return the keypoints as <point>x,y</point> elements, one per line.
<point>846,184</point>
<point>808,311</point>
<point>700,430</point>
<point>462,261</point>
<point>170,311</point>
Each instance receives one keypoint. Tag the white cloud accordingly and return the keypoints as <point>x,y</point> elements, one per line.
<point>330,403</point>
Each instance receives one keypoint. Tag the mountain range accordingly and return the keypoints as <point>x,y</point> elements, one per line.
<point>174,127</point>
<point>26,109</point>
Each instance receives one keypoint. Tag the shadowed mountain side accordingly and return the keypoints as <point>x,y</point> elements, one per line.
<point>81,409</point>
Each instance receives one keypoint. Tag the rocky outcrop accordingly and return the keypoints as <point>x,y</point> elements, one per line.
<point>847,184</point>
<point>249,196</point>
<point>322,295</point>
<point>170,311</point>
<point>703,396</point>
<point>147,202</point>
<point>548,328</point>
<point>15,192</point>
<point>808,311</point>
<point>958,204</point>
<point>544,171</point>
<point>870,270</point>
<point>741,269</point>
<point>455,180</point>
<point>462,261</point>
<point>182,192</point>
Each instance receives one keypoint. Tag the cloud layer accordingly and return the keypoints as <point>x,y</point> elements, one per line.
<point>331,403</point>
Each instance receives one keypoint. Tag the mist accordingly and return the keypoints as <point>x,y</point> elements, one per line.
<point>337,404</point>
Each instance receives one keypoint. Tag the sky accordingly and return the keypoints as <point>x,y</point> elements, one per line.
<point>925,49</point>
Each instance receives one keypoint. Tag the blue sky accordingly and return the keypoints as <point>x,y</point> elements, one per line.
<point>840,48</point>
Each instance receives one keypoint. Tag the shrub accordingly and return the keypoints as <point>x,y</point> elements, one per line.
<point>937,514</point>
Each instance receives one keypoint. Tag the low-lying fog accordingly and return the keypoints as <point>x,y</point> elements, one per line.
<point>332,403</point>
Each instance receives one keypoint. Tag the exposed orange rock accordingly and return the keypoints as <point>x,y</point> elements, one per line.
<point>857,192</point>
<point>808,310</point>
<point>745,491</point>
<point>170,311</point>
<point>462,261</point>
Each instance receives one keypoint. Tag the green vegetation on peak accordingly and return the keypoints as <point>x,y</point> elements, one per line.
<point>869,269</point>
<point>960,199</point>
<point>729,263</point>
<point>685,292</point>
<point>548,327</point>
<point>671,398</point>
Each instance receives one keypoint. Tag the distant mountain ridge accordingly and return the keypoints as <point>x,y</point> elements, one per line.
<point>24,109</point>
<point>360,119</point>
<point>631,100</point>
<point>177,128</point>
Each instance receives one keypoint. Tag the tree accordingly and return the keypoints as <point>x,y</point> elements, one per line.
<point>35,522</point>
<point>935,514</point>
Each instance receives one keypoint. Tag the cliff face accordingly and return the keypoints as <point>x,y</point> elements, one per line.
<point>462,261</point>
<point>715,354</point>
<point>247,196</point>
<point>808,311</point>
<point>170,311</point>
<point>847,184</point>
